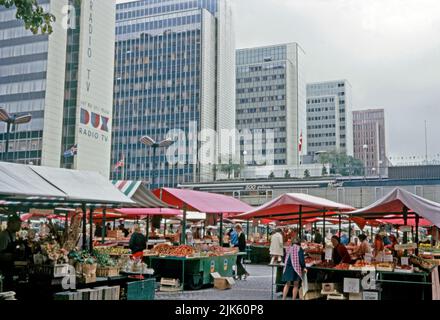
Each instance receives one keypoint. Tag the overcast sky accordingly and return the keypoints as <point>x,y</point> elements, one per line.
<point>389,50</point>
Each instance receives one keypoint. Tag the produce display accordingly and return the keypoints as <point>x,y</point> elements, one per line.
<point>182,251</point>
<point>113,251</point>
<point>162,249</point>
<point>342,266</point>
<point>362,265</point>
<point>422,263</point>
<point>326,265</point>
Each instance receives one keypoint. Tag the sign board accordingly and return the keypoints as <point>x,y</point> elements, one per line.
<point>225,265</point>
<point>368,257</point>
<point>405,228</point>
<point>388,258</point>
<point>328,253</point>
<point>41,211</point>
<point>212,266</point>
<point>351,285</point>
<point>408,246</point>
<point>404,261</point>
<point>370,295</point>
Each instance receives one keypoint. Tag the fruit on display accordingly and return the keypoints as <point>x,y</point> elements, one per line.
<point>182,251</point>
<point>113,251</point>
<point>326,264</point>
<point>422,263</point>
<point>162,249</point>
<point>342,266</point>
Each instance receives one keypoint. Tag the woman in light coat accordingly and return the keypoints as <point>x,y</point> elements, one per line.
<point>276,249</point>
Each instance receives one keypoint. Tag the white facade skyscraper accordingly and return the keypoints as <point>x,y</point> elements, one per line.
<point>329,117</point>
<point>271,95</point>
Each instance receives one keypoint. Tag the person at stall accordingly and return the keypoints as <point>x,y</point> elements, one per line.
<point>294,268</point>
<point>189,236</point>
<point>138,242</point>
<point>108,227</point>
<point>233,238</point>
<point>98,230</point>
<point>241,271</point>
<point>276,249</point>
<point>318,237</point>
<point>124,230</point>
<point>8,251</point>
<point>363,248</point>
<point>340,252</point>
<point>344,239</point>
<point>378,245</point>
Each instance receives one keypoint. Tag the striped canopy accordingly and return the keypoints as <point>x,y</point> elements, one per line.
<point>137,192</point>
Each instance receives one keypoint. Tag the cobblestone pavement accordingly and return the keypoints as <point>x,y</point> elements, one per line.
<point>256,287</point>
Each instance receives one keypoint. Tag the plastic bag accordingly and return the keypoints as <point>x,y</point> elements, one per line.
<point>305,284</point>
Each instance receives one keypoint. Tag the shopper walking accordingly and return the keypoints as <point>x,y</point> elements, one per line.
<point>241,271</point>
<point>276,249</point>
<point>294,267</point>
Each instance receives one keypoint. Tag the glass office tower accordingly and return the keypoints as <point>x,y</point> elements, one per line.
<point>175,71</point>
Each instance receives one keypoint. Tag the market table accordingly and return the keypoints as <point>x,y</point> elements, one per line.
<point>259,253</point>
<point>197,269</point>
<point>416,278</point>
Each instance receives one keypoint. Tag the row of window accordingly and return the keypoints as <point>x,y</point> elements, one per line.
<point>321,144</point>
<point>259,120</point>
<point>264,67</point>
<point>261,89</point>
<point>23,68</point>
<point>262,99</point>
<point>321,118</point>
<point>262,78</point>
<point>158,24</point>
<point>262,109</point>
<point>23,49</point>
<point>322,100</point>
<point>23,87</point>
<point>320,135</point>
<point>321,109</point>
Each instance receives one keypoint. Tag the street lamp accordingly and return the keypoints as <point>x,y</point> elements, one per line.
<point>11,120</point>
<point>365,158</point>
<point>150,142</point>
<point>243,164</point>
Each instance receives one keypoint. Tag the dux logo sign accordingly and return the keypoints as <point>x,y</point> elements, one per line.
<point>94,120</point>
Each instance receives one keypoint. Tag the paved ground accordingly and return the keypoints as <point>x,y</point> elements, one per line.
<point>256,287</point>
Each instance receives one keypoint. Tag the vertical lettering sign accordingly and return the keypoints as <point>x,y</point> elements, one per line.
<point>95,85</point>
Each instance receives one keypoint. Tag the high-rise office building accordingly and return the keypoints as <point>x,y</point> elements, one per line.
<point>271,95</point>
<point>329,117</point>
<point>369,139</point>
<point>64,81</point>
<point>174,78</point>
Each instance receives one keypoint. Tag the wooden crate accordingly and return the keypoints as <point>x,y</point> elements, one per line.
<point>170,285</point>
<point>107,272</point>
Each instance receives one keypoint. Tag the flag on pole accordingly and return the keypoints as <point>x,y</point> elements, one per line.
<point>73,151</point>
<point>120,163</point>
<point>300,144</point>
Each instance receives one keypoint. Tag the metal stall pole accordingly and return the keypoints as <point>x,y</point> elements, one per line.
<point>221,230</point>
<point>91,230</point>
<point>300,222</point>
<point>323,229</point>
<point>84,227</point>
<point>164,227</point>
<point>349,229</point>
<point>417,234</point>
<point>183,234</point>
<point>147,231</point>
<point>405,221</point>
<point>104,228</point>
<point>247,230</point>
<point>340,226</point>
<point>66,223</point>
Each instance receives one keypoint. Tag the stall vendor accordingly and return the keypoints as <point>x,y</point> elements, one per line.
<point>340,252</point>
<point>364,247</point>
<point>8,250</point>
<point>138,242</point>
<point>276,249</point>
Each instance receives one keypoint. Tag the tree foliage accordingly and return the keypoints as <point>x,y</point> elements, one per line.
<point>342,164</point>
<point>32,14</point>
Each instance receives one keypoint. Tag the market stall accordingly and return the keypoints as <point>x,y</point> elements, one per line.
<point>41,260</point>
<point>396,271</point>
<point>193,271</point>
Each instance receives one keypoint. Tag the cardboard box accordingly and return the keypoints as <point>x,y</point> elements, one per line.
<point>355,296</point>
<point>330,287</point>
<point>222,283</point>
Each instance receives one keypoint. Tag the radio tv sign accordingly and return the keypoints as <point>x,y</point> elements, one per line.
<point>95,86</point>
